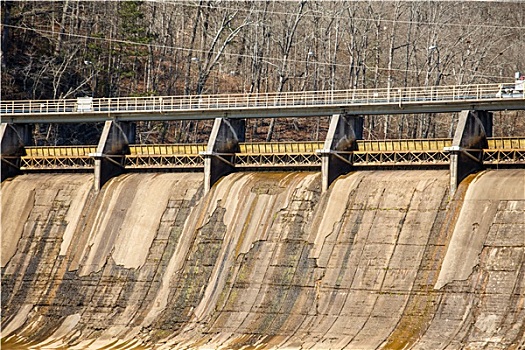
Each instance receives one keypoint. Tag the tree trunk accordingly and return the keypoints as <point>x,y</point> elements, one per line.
<point>58,46</point>
<point>6,6</point>
<point>283,74</point>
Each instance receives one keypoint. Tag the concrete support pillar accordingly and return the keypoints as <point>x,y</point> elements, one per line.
<point>222,145</point>
<point>467,147</point>
<point>341,141</point>
<point>14,137</point>
<point>111,151</point>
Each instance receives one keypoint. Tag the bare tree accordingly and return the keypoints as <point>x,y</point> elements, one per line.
<point>285,44</point>
<point>217,48</point>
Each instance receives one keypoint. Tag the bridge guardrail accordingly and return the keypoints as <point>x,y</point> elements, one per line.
<point>260,100</point>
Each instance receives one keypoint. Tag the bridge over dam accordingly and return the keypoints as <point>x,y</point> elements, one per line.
<point>341,244</point>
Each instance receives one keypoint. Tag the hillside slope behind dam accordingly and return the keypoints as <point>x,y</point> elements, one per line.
<point>383,260</point>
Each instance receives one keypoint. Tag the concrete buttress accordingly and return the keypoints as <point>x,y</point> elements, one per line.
<point>223,143</point>
<point>343,133</point>
<point>467,146</point>
<point>13,139</point>
<point>111,150</point>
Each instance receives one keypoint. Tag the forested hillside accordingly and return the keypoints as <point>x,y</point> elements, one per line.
<point>67,49</point>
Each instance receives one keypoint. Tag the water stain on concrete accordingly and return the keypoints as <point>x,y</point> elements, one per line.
<point>383,260</point>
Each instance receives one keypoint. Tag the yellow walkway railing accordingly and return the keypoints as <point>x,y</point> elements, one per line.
<point>417,151</point>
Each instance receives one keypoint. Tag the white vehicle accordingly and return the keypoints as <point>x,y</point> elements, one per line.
<point>84,104</point>
<point>516,90</point>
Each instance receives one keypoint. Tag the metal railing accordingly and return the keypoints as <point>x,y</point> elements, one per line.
<point>280,147</point>
<point>190,149</point>
<point>403,145</point>
<point>166,156</point>
<point>60,151</point>
<point>375,158</point>
<point>278,154</point>
<point>159,104</point>
<point>504,156</point>
<point>506,143</point>
<point>164,161</point>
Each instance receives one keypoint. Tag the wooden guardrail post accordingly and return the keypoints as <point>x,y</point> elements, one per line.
<point>466,152</point>
<point>222,146</point>
<point>111,151</point>
<point>341,141</point>
<point>14,137</point>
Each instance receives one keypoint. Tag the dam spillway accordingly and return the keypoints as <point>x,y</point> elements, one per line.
<point>382,260</point>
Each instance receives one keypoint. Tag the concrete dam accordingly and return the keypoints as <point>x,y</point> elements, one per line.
<point>382,260</point>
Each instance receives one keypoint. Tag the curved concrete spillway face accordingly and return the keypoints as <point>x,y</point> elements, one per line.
<point>264,260</point>
<point>58,197</point>
<point>77,251</point>
<point>488,198</point>
<point>128,219</point>
<point>482,277</point>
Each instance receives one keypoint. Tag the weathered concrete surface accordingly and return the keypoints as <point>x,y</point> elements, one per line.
<point>224,141</point>
<point>470,138</point>
<point>113,145</point>
<point>13,139</point>
<point>342,138</point>
<point>382,260</point>
<point>482,277</point>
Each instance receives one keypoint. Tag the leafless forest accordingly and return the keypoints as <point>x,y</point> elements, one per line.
<point>68,49</point>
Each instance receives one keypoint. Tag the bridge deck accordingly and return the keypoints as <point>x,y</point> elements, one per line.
<point>269,105</point>
<point>274,154</point>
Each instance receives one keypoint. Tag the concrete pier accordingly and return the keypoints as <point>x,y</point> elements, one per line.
<point>341,140</point>
<point>14,137</point>
<point>111,150</point>
<point>467,146</point>
<point>223,143</point>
